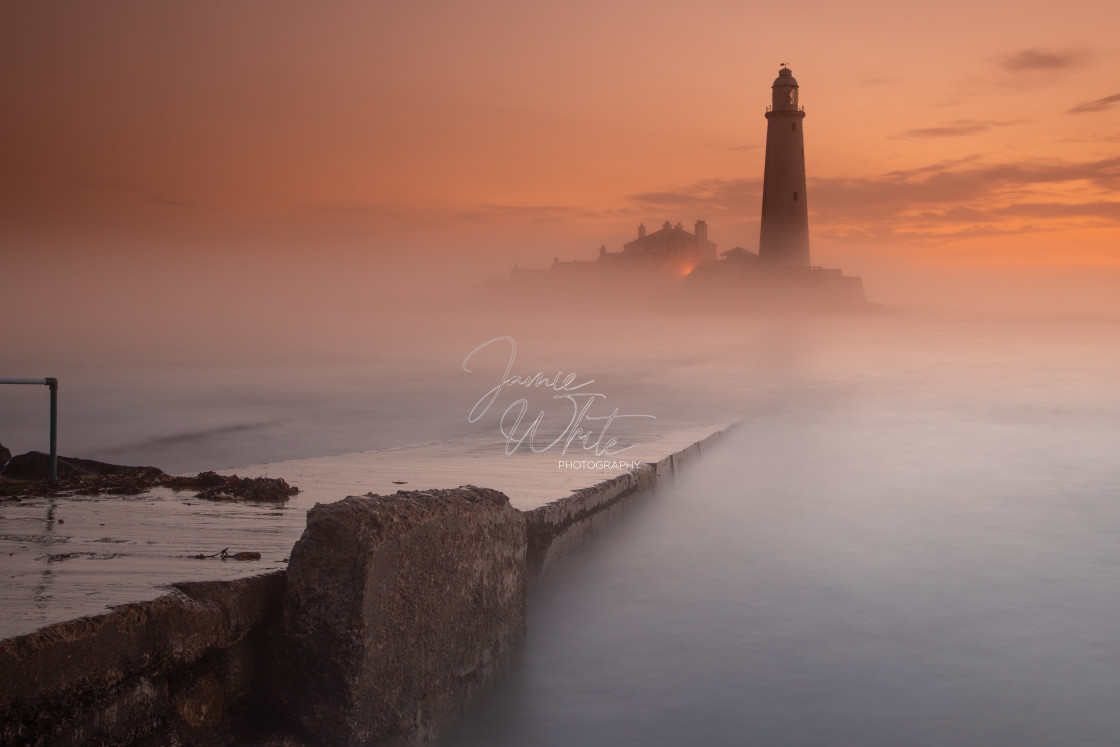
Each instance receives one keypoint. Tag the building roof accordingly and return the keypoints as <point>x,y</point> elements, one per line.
<point>668,234</point>
<point>738,252</point>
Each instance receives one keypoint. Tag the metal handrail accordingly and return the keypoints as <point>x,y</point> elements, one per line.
<point>53,384</point>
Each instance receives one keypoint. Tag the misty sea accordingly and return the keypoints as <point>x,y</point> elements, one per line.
<point>910,538</point>
<point>915,549</point>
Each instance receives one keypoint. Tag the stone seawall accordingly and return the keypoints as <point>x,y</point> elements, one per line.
<point>181,664</point>
<point>392,613</point>
<point>557,527</point>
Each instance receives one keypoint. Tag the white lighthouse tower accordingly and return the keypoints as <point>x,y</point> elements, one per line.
<point>784,238</point>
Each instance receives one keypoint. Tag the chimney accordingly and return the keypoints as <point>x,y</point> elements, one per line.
<point>666,226</point>
<point>641,230</point>
<point>701,231</point>
<point>680,226</point>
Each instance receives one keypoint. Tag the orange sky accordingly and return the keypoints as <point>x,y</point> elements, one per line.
<point>491,132</point>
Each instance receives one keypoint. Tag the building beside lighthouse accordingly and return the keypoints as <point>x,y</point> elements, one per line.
<point>666,255</point>
<point>675,265</point>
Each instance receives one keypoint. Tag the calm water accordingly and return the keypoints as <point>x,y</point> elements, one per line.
<point>911,540</point>
<point>915,548</point>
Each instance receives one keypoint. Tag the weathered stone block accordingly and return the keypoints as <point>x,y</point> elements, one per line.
<point>397,609</point>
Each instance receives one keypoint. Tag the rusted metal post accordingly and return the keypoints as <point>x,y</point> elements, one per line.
<point>53,384</point>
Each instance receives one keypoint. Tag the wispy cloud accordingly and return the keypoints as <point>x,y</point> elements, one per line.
<point>375,217</point>
<point>955,183</point>
<point>744,147</point>
<point>1019,70</point>
<point>1095,106</point>
<point>965,198</point>
<point>535,210</point>
<point>955,199</point>
<point>1104,209</point>
<point>354,216</point>
<point>956,128</point>
<point>710,196</point>
<point>493,212</point>
<point>928,205</point>
<point>1032,60</point>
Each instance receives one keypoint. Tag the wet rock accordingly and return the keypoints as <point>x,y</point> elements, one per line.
<point>398,609</point>
<point>27,475</point>
<point>265,489</point>
<point>5,455</point>
<point>202,480</point>
<point>215,487</point>
<point>35,465</point>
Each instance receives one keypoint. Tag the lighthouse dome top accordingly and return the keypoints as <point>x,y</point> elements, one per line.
<point>785,78</point>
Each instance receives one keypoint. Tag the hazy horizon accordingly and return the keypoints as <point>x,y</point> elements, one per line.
<point>962,161</point>
<point>269,185</point>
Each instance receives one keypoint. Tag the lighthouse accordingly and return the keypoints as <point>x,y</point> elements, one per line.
<point>784,237</point>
